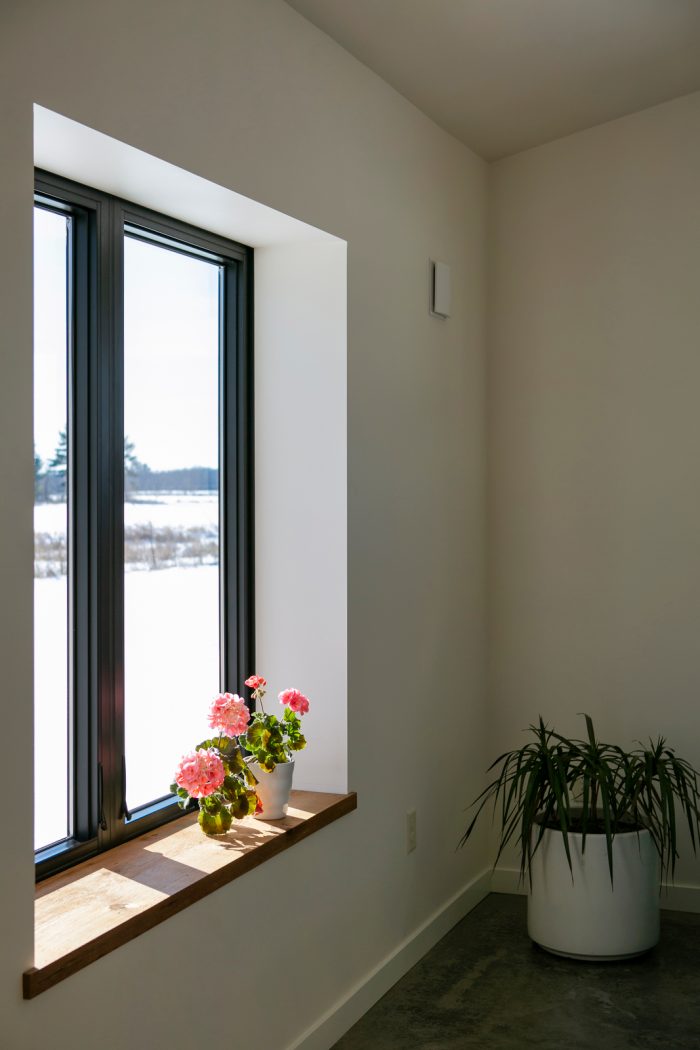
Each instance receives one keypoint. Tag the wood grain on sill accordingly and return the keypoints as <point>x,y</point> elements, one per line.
<point>95,907</point>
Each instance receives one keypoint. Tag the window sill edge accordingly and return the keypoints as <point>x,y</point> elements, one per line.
<point>116,907</point>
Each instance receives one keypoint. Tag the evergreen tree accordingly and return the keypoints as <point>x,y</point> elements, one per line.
<point>60,457</point>
<point>132,465</point>
<point>134,469</point>
<point>58,465</point>
<point>39,479</point>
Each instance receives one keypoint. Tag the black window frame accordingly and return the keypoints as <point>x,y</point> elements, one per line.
<point>98,799</point>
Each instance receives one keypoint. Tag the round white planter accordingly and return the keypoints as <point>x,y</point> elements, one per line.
<point>273,789</point>
<point>585,917</point>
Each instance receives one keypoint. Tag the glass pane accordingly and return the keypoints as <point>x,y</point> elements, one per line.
<point>171,510</point>
<point>51,763</point>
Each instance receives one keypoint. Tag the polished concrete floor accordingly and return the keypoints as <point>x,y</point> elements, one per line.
<point>486,987</point>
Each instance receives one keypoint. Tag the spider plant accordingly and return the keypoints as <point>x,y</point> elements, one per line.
<point>589,787</point>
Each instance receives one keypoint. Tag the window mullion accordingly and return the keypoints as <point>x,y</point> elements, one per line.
<point>83,735</point>
<point>108,616</point>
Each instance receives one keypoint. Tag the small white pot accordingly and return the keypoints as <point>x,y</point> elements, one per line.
<point>585,917</point>
<point>273,789</point>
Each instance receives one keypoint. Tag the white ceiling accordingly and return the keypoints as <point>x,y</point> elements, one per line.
<point>504,75</point>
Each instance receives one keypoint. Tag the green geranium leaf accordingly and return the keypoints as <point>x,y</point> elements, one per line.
<point>240,808</point>
<point>212,804</point>
<point>254,735</point>
<point>234,761</point>
<point>228,748</point>
<point>207,823</point>
<point>231,788</point>
<point>214,823</point>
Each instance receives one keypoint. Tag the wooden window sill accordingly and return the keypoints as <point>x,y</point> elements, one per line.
<point>95,907</point>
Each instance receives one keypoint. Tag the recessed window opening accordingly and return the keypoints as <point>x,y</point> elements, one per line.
<point>143,507</point>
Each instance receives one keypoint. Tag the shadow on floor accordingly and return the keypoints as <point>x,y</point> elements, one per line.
<point>486,987</point>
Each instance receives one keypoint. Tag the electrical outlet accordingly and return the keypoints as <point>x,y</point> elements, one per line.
<point>411,838</point>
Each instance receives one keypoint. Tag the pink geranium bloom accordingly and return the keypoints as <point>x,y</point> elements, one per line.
<point>256,681</point>
<point>200,773</point>
<point>296,700</point>
<point>229,714</point>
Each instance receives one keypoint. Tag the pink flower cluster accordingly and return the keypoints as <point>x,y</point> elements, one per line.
<point>256,681</point>
<point>296,700</point>
<point>228,714</point>
<point>200,773</point>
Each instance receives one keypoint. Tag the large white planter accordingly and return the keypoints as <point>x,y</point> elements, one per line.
<point>585,917</point>
<point>273,789</point>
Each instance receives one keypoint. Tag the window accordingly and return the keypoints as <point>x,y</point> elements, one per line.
<point>143,507</point>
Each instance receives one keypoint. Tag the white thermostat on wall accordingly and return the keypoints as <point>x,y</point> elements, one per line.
<point>440,289</point>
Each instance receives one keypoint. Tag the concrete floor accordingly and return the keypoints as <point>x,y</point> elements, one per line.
<point>486,987</point>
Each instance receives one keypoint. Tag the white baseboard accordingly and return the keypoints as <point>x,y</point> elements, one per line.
<point>674,896</point>
<point>346,1011</point>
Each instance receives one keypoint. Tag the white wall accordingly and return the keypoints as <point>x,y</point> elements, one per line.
<point>301,492</point>
<point>594,434</point>
<point>248,95</point>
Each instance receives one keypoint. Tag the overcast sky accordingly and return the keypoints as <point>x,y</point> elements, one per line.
<point>171,335</point>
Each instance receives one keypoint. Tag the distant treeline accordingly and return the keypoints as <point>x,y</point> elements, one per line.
<point>186,479</point>
<point>50,487</point>
<point>50,475</point>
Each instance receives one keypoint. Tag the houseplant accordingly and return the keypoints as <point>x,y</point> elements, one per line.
<point>595,825</point>
<point>272,743</point>
<point>215,775</point>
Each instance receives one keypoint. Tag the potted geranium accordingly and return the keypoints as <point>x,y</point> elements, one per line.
<point>215,774</point>
<point>272,743</point>
<point>595,827</point>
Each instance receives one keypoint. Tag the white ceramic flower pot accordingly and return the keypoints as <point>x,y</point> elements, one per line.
<point>585,917</point>
<point>274,789</point>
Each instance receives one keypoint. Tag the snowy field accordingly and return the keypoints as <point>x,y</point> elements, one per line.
<point>171,661</point>
<point>158,508</point>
